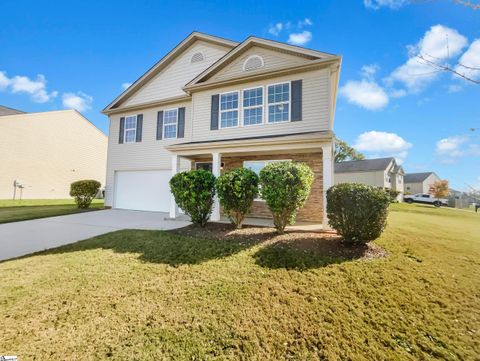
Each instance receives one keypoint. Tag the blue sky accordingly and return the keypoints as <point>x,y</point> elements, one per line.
<point>79,53</point>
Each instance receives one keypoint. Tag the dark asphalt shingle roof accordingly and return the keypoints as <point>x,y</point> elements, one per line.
<point>366,165</point>
<point>9,111</point>
<point>416,177</point>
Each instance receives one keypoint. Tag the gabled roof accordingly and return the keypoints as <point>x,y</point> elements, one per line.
<point>366,165</point>
<point>167,59</point>
<point>9,111</point>
<point>416,177</point>
<point>251,41</point>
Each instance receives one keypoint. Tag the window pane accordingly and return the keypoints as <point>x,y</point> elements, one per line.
<point>229,119</point>
<point>130,122</point>
<point>229,101</point>
<point>278,113</point>
<point>130,135</point>
<point>253,97</point>
<point>255,166</point>
<point>252,116</point>
<point>279,93</point>
<point>170,131</point>
<point>170,116</point>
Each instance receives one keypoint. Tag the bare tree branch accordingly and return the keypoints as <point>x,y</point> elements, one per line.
<point>470,4</point>
<point>445,67</point>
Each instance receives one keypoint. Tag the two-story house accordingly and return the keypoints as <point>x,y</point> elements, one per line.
<point>379,172</point>
<point>217,104</point>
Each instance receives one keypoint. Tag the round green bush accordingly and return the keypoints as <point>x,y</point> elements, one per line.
<point>357,212</point>
<point>194,192</point>
<point>236,191</point>
<point>285,187</point>
<point>84,191</point>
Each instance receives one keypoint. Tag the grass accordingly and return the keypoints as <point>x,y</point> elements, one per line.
<point>151,295</point>
<point>22,210</point>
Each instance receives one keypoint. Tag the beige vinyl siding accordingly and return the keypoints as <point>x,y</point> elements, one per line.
<point>149,154</point>
<point>315,109</point>
<point>48,151</point>
<point>421,187</point>
<point>169,82</point>
<point>376,178</point>
<point>273,60</point>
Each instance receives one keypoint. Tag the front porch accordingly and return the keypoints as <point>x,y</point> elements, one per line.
<point>314,149</point>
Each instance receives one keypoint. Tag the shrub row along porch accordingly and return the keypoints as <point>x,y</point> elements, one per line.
<point>312,148</point>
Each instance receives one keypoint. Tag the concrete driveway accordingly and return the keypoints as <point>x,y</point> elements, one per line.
<point>21,238</point>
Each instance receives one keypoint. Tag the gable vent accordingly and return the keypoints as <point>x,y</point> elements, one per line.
<point>253,62</point>
<point>197,57</point>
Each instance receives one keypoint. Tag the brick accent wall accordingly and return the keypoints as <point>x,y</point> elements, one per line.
<point>313,209</point>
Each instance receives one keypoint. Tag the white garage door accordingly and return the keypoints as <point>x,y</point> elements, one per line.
<point>143,190</point>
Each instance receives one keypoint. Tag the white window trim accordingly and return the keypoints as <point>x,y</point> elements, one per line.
<point>266,161</point>
<point>289,102</point>
<point>238,109</point>
<point>163,123</point>
<point>254,106</point>
<point>134,128</point>
<point>251,57</point>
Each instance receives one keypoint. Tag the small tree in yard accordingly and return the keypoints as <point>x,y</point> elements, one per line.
<point>236,191</point>
<point>285,187</point>
<point>439,189</point>
<point>357,212</point>
<point>84,191</point>
<point>194,192</point>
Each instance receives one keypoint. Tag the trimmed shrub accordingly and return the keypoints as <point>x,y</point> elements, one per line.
<point>84,191</point>
<point>194,192</point>
<point>285,187</point>
<point>357,212</point>
<point>236,191</point>
<point>393,194</point>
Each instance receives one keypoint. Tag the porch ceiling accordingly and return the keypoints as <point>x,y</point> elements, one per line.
<point>292,143</point>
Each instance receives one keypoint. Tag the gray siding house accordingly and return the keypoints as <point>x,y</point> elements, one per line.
<point>419,182</point>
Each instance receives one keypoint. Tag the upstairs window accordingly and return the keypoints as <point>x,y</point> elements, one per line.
<point>229,110</point>
<point>253,106</point>
<point>170,122</point>
<point>279,103</point>
<point>130,129</point>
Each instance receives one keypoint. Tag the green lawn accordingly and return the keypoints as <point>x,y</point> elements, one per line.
<point>21,210</point>
<point>148,295</point>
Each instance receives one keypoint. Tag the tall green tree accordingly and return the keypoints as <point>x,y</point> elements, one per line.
<point>344,152</point>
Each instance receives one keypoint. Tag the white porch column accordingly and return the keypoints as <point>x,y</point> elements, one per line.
<point>216,164</point>
<point>175,169</point>
<point>327,151</point>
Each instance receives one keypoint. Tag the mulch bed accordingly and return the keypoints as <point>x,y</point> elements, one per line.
<point>327,243</point>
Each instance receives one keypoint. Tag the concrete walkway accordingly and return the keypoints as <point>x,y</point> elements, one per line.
<point>21,238</point>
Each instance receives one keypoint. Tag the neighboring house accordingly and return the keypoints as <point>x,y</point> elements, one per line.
<point>217,104</point>
<point>45,152</point>
<point>9,111</point>
<point>419,182</point>
<point>380,172</point>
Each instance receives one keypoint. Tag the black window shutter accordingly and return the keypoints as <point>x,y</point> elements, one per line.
<point>214,113</point>
<point>296,100</point>
<point>159,124</point>
<point>181,123</point>
<point>121,131</point>
<point>139,127</point>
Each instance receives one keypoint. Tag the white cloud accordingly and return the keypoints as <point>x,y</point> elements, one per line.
<point>383,144</point>
<point>397,93</point>
<point>377,4</point>
<point>369,71</point>
<point>470,59</point>
<point>366,94</point>
<point>275,29</point>
<point>79,101</point>
<point>438,44</point>
<point>126,85</point>
<point>454,88</point>
<point>300,38</point>
<point>305,22</point>
<point>37,89</point>
<point>451,148</point>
